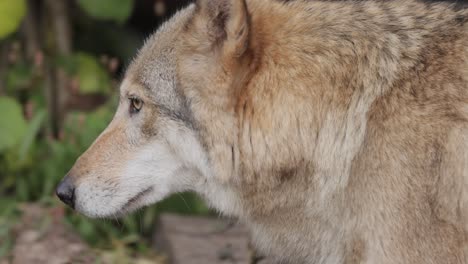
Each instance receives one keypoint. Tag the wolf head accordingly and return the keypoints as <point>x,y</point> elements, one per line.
<point>155,144</point>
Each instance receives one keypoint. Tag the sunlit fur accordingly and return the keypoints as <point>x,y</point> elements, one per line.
<point>336,130</point>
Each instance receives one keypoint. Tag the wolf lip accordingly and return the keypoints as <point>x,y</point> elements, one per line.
<point>135,198</point>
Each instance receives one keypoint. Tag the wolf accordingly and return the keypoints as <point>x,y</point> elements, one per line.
<point>337,131</point>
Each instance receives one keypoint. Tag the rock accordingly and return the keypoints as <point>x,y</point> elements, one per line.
<point>203,240</point>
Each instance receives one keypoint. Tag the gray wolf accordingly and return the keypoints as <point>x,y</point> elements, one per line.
<point>336,130</point>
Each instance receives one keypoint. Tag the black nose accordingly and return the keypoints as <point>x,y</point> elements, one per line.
<point>66,191</point>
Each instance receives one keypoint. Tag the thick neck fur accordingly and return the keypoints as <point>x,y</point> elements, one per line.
<point>292,142</point>
<point>302,60</point>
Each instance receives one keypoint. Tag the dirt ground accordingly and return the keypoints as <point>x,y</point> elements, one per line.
<point>42,237</point>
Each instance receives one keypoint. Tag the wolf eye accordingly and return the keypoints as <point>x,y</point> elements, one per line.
<point>135,105</point>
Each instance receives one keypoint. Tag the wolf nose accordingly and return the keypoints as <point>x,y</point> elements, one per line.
<point>66,191</point>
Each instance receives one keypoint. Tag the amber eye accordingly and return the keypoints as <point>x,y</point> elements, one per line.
<point>135,105</point>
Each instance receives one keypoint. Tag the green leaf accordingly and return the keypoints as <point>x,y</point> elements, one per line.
<point>91,75</point>
<point>117,10</point>
<point>12,123</point>
<point>33,129</point>
<point>67,63</point>
<point>11,14</point>
<point>19,76</point>
<point>7,207</point>
<point>22,189</point>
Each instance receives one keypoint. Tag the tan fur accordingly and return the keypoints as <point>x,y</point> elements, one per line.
<point>343,128</point>
<point>103,156</point>
<point>336,130</point>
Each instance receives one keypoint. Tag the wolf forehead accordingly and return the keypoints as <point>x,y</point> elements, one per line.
<point>154,68</point>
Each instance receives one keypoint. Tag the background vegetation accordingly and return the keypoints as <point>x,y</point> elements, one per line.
<point>60,66</point>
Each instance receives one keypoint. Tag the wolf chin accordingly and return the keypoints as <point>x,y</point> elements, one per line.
<point>337,131</point>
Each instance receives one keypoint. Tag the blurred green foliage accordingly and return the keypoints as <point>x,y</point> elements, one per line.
<point>33,160</point>
<point>117,10</point>
<point>92,77</point>
<point>11,14</point>
<point>12,128</point>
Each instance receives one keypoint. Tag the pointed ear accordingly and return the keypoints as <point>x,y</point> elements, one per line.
<point>227,24</point>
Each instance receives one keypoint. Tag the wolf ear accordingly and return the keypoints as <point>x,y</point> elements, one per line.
<point>227,24</point>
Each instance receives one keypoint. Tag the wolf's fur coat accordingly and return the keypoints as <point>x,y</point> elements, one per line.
<point>337,130</point>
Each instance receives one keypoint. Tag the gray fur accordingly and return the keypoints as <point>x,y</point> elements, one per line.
<point>155,68</point>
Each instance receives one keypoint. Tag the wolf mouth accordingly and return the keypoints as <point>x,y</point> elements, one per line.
<point>134,200</point>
